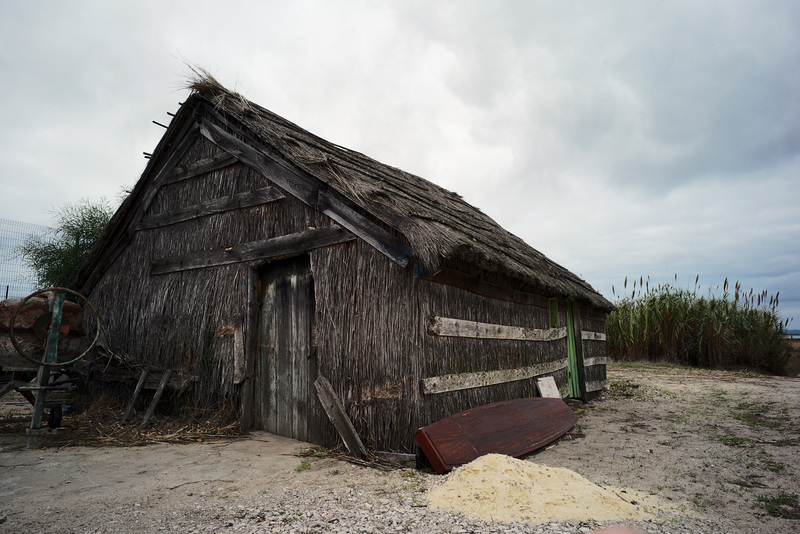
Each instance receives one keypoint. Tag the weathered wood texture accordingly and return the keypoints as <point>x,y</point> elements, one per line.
<point>547,387</point>
<point>455,382</point>
<point>275,247</point>
<point>450,327</point>
<point>210,207</point>
<point>286,364</point>
<point>594,351</point>
<point>599,336</point>
<point>333,407</point>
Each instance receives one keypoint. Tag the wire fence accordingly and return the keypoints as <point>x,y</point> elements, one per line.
<point>16,279</point>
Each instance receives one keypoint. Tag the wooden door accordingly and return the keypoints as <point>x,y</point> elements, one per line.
<point>286,367</point>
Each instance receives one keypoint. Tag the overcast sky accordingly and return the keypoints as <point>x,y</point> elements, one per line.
<point>618,138</point>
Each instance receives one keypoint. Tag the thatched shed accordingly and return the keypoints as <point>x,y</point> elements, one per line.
<point>258,256</point>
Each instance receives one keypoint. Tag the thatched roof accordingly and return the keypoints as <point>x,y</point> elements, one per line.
<point>438,225</point>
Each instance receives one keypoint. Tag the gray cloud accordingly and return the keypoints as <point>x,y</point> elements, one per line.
<point>620,139</point>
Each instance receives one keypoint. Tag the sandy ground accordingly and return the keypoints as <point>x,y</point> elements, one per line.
<point>710,444</point>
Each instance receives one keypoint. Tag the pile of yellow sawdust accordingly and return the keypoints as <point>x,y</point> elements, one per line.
<point>496,487</point>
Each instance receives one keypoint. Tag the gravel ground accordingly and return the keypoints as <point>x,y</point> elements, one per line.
<point>699,451</point>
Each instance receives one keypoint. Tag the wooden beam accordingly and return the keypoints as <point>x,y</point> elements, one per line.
<point>282,246</point>
<point>309,190</point>
<point>211,207</point>
<point>136,392</point>
<point>597,336</point>
<point>202,166</point>
<point>333,407</point>
<point>599,360</point>
<point>449,327</point>
<point>239,362</point>
<point>251,348</point>
<point>597,385</point>
<point>383,241</point>
<point>455,382</point>
<point>294,183</point>
<point>156,398</point>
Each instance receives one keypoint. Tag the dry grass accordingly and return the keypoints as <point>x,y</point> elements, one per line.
<point>100,425</point>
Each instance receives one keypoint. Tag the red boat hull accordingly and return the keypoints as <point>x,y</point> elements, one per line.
<point>515,427</point>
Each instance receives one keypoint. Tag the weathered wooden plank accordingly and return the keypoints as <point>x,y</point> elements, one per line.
<point>248,388</point>
<point>288,179</point>
<point>547,387</point>
<point>383,241</point>
<point>211,207</point>
<point>156,398</point>
<point>596,385</point>
<point>179,379</point>
<point>333,407</point>
<point>599,360</point>
<point>597,336</point>
<point>239,362</point>
<point>136,392</point>
<point>455,382</point>
<point>310,191</point>
<point>214,163</point>
<point>468,283</point>
<point>449,327</point>
<point>285,245</point>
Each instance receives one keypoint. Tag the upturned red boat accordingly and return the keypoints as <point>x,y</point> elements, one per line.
<point>514,427</point>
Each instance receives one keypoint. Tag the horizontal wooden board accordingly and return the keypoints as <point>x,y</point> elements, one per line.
<point>210,207</point>
<point>215,162</point>
<point>455,382</point>
<point>282,246</point>
<point>597,385</point>
<point>599,336</point>
<point>600,360</point>
<point>449,327</point>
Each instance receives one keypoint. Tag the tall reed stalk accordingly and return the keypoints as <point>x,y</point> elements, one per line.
<point>682,326</point>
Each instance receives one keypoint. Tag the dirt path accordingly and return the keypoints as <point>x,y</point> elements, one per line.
<point>710,444</point>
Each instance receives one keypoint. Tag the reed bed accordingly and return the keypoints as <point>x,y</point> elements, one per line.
<point>714,328</point>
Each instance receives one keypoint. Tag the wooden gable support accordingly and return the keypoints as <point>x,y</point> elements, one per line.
<point>308,190</point>
<point>214,163</point>
<point>210,207</point>
<point>282,246</point>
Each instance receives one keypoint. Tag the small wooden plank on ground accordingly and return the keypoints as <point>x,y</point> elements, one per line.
<point>136,392</point>
<point>333,407</point>
<point>156,398</point>
<point>547,387</point>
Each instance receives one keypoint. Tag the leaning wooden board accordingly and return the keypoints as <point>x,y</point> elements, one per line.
<point>513,427</point>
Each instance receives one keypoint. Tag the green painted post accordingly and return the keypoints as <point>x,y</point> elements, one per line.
<point>50,356</point>
<point>572,356</point>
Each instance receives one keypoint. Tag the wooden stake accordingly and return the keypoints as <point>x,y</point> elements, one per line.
<point>333,407</point>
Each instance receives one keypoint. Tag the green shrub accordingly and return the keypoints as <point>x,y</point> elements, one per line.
<point>676,325</point>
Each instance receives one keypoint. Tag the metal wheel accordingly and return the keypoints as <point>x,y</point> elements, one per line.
<point>42,362</point>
